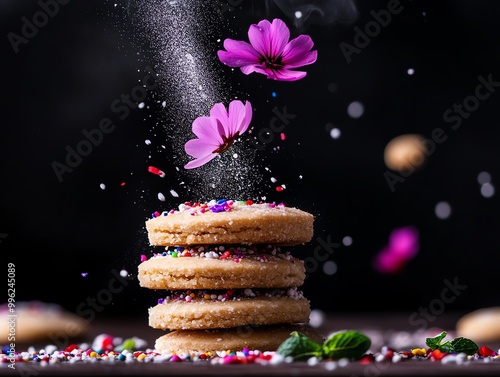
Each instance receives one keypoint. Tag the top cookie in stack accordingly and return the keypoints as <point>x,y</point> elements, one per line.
<point>223,268</point>
<point>228,222</point>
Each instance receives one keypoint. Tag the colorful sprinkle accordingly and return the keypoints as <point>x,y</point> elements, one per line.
<point>156,171</point>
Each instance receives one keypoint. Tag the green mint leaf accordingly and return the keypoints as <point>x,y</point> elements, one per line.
<point>447,347</point>
<point>346,344</point>
<point>464,345</point>
<point>300,347</point>
<point>435,342</point>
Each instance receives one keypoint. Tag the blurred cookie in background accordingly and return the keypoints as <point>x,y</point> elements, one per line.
<point>481,325</point>
<point>36,321</point>
<point>405,153</point>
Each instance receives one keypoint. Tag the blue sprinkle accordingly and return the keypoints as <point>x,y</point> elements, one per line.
<point>221,201</point>
<point>122,357</point>
<point>273,94</point>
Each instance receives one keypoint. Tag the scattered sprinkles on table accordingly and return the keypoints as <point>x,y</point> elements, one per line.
<point>108,349</point>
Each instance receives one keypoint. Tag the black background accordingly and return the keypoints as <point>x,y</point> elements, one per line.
<point>65,78</point>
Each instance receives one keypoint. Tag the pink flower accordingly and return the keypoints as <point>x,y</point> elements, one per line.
<point>270,52</point>
<point>217,132</point>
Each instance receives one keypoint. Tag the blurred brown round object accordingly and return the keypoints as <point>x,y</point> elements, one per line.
<point>405,152</point>
<point>481,325</point>
<point>36,321</point>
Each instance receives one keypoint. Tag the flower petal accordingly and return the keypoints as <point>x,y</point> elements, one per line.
<point>199,148</point>
<point>247,119</point>
<point>286,75</point>
<point>236,116</point>
<point>268,39</point>
<point>247,69</point>
<point>296,53</point>
<point>278,37</point>
<point>239,53</point>
<point>200,161</point>
<point>206,129</point>
<point>219,112</point>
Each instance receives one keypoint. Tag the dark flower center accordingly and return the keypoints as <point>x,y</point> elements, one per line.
<point>227,142</point>
<point>272,63</point>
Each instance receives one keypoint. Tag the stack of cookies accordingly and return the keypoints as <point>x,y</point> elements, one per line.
<point>226,283</point>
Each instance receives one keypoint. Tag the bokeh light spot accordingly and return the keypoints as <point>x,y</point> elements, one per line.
<point>335,133</point>
<point>487,190</point>
<point>355,109</point>
<point>442,210</point>
<point>483,177</point>
<point>329,267</point>
<point>347,241</point>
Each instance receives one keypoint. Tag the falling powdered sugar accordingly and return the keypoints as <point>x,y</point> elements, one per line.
<point>183,39</point>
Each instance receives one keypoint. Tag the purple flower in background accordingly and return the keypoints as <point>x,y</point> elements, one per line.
<point>403,246</point>
<point>270,52</point>
<point>217,132</point>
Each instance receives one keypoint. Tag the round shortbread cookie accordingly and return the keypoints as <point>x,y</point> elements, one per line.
<point>481,325</point>
<point>33,321</point>
<point>221,268</point>
<point>212,309</point>
<point>230,222</point>
<point>262,338</point>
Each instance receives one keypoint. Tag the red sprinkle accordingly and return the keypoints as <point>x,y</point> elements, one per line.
<point>485,351</point>
<point>156,171</point>
<point>282,136</point>
<point>437,355</point>
<point>122,184</point>
<point>367,359</point>
<point>71,347</point>
<point>279,188</point>
<point>249,202</point>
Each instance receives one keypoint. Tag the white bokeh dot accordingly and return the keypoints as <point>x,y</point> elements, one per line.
<point>298,14</point>
<point>355,109</point>
<point>347,241</point>
<point>316,318</point>
<point>410,71</point>
<point>335,133</point>
<point>483,177</point>
<point>442,210</point>
<point>123,273</point>
<point>329,267</point>
<point>487,190</point>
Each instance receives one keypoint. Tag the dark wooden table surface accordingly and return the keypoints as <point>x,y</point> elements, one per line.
<point>384,329</point>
